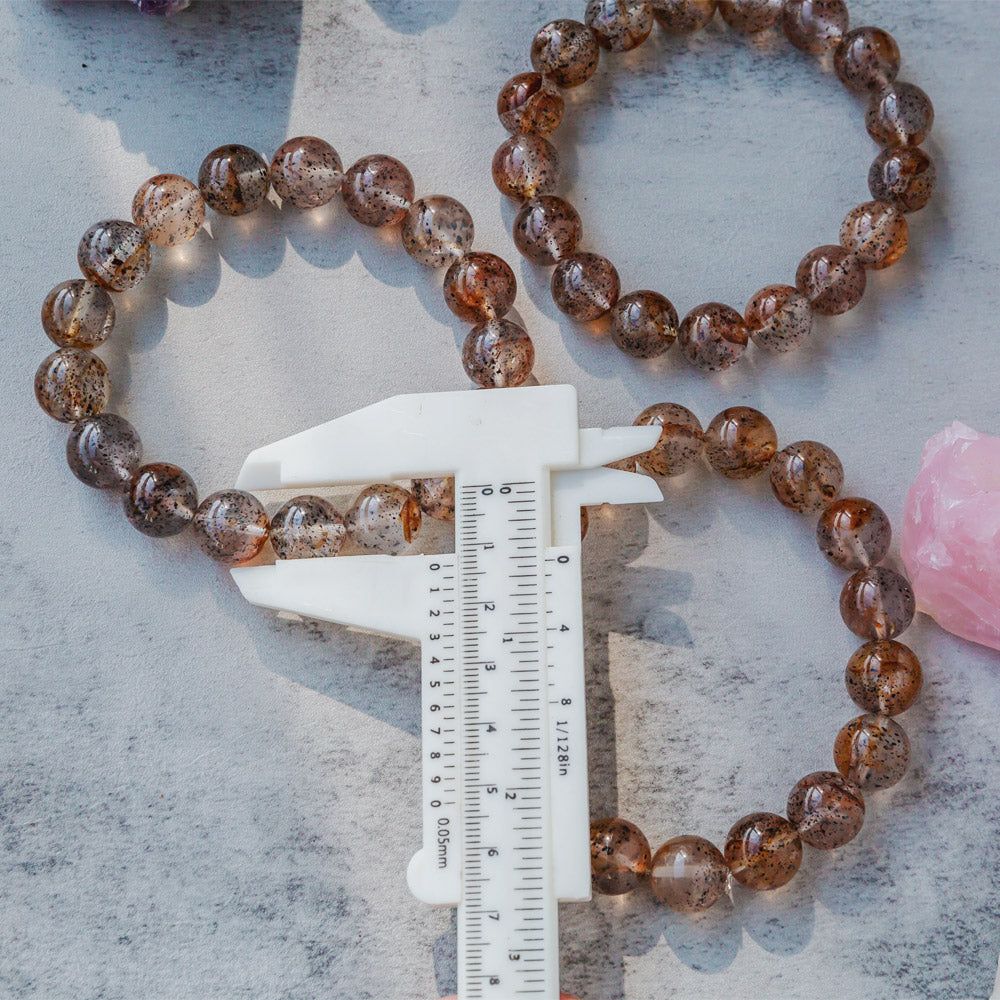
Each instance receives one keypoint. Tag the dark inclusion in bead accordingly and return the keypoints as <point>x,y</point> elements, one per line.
<point>619,856</point>
<point>103,451</point>
<point>161,500</point>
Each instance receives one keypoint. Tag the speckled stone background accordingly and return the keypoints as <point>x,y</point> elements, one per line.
<point>200,801</point>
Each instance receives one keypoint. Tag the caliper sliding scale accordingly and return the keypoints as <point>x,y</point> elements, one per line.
<point>499,621</point>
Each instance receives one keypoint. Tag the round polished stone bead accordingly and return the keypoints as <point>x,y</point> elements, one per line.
<point>681,17</point>
<point>498,354</point>
<point>814,25</point>
<point>231,526</point>
<point>778,318</point>
<point>546,229</point>
<point>169,209</point>
<point>905,177</point>
<point>866,59</point>
<point>480,286</point>
<point>900,114</point>
<point>876,233</point>
<point>306,172</point>
<point>437,230</point>
<point>435,496</point>
<point>643,324</point>
<point>619,25</point>
<point>884,677</point>
<point>689,874</point>
<point>160,500</point>
<point>806,476</point>
<point>384,518</point>
<point>526,166</point>
<point>103,451</point>
<point>71,384</point>
<point>233,179</point>
<point>750,16</point>
<point>78,313</point>
<point>680,442</point>
<point>528,102</point>
<point>377,190</point>
<point>877,603</point>
<point>873,751</point>
<point>831,279</point>
<point>763,851</point>
<point>854,533</point>
<point>114,254</point>
<point>307,527</point>
<point>619,856</point>
<point>585,286</point>
<point>740,442</point>
<point>827,809</point>
<point>713,336</point>
<point>565,52</point>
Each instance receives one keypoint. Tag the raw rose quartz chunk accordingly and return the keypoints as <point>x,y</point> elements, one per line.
<point>951,533</point>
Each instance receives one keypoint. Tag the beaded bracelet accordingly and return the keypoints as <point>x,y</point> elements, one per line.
<point>830,279</point>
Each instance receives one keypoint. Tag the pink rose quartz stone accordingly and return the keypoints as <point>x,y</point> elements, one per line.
<point>951,533</point>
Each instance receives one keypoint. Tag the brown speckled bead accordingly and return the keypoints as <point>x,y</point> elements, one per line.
<point>689,874</point>
<point>527,102</point>
<point>585,285</point>
<point>680,443</point>
<point>876,233</point>
<point>71,384</point>
<point>479,286</point>
<point>384,518</point>
<point>231,526</point>
<point>546,229</point>
<point>619,25</point>
<point>806,476</point>
<point>827,809</point>
<point>740,442</point>
<point>377,190</point>
<point>900,114</point>
<point>853,533</point>
<point>160,500</point>
<point>619,856</point>
<point>307,527</point>
<point>905,177</point>
<point>525,166</point>
<point>643,324</point>
<point>437,230</point>
<point>681,17</point>
<point>814,25</point>
<point>114,254</point>
<point>873,751</point>
<point>877,603</point>
<point>866,59</point>
<point>750,16</point>
<point>169,209</point>
<point>831,279</point>
<point>763,851</point>
<point>435,496</point>
<point>103,451</point>
<point>883,677</point>
<point>233,180</point>
<point>498,354</point>
<point>778,318</point>
<point>713,336</point>
<point>78,313</point>
<point>566,52</point>
<point>306,172</point>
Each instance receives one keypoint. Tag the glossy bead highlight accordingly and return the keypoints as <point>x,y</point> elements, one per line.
<point>78,313</point>
<point>384,518</point>
<point>377,190</point>
<point>877,603</point>
<point>160,500</point>
<point>763,851</point>
<point>827,809</point>
<point>114,254</point>
<point>526,166</point>
<point>169,209</point>
<point>619,25</point>
<point>643,324</point>
<point>876,233</point>
<point>437,230</point>
<point>900,114</point>
<point>529,103</point>
<point>778,318</point>
<point>307,527</point>
<point>498,354</point>
<point>814,25</point>
<point>853,533</point>
<point>905,177</point>
<point>234,180</point>
<point>585,286</point>
<point>546,229</point>
<point>306,172</point>
<point>565,52</point>
<point>806,476</point>
<point>71,384</point>
<point>479,286</point>
<point>866,59</point>
<point>104,451</point>
<point>231,526</point>
<point>689,874</point>
<point>680,442</point>
<point>713,337</point>
<point>873,751</point>
<point>831,279</point>
<point>740,442</point>
<point>619,856</point>
<point>883,677</point>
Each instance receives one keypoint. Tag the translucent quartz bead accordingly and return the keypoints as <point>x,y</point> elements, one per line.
<point>384,518</point>
<point>900,114</point>
<point>479,286</point>
<point>713,336</point>
<point>814,25</point>
<point>103,451</point>
<point>827,809</point>
<point>231,526</point>
<point>884,677</point>
<point>525,166</point>
<point>873,751</point>
<point>740,442</point>
<point>876,233</point>
<point>853,533</point>
<point>527,102</point>
<point>377,190</point>
<point>905,177</point>
<point>435,496</point>
<point>866,59</point>
<point>78,313</point>
<point>71,384</point>
<point>831,279</point>
<point>498,354</point>
<point>307,527</point>
<point>877,603</point>
<point>169,209</point>
<point>566,52</point>
<point>689,874</point>
<point>619,856</point>
<point>437,230</point>
<point>806,476</point>
<point>681,17</point>
<point>643,324</point>
<point>619,25</point>
<point>114,254</point>
<point>778,318</point>
<point>763,851</point>
<point>233,180</point>
<point>750,16</point>
<point>160,500</point>
<point>585,285</point>
<point>306,172</point>
<point>680,443</point>
<point>546,229</point>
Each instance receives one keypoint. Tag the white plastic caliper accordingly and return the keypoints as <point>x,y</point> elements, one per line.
<point>504,755</point>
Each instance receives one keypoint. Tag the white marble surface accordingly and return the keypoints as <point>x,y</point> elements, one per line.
<point>198,800</point>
